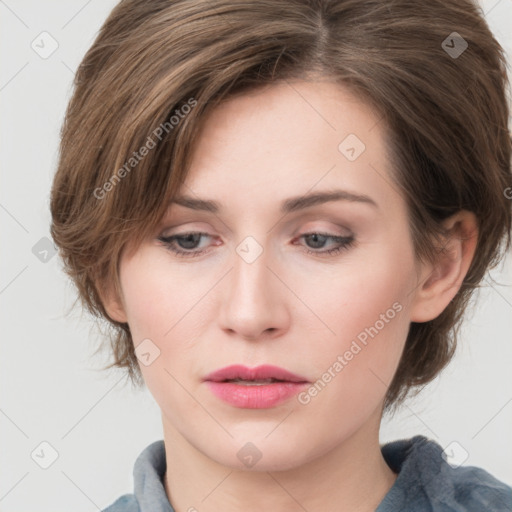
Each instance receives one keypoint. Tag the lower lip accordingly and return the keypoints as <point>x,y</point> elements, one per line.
<point>253,396</point>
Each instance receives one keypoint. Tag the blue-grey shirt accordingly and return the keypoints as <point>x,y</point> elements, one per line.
<point>425,482</point>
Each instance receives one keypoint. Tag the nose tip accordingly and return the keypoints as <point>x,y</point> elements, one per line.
<point>251,306</point>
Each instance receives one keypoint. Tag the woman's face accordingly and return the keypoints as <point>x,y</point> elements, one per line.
<point>273,276</point>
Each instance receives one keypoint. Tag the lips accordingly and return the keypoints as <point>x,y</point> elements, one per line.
<point>262,387</point>
<point>265,374</point>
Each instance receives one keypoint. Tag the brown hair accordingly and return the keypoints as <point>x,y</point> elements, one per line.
<point>445,113</point>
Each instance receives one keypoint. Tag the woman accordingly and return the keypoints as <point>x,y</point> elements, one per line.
<point>282,208</point>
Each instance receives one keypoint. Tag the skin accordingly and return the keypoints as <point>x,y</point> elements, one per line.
<point>288,308</point>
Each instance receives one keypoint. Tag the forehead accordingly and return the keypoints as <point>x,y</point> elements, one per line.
<point>286,139</point>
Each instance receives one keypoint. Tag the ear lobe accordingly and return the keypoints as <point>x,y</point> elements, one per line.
<point>112,304</point>
<point>441,280</point>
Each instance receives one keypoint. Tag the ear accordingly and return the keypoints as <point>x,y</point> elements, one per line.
<point>113,303</point>
<point>439,282</point>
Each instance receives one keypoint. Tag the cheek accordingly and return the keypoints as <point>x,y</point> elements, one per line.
<point>356,294</point>
<point>160,308</point>
<point>154,296</point>
<point>365,309</point>
<point>165,306</point>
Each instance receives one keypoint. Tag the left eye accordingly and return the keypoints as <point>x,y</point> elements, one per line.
<point>187,241</point>
<point>184,244</point>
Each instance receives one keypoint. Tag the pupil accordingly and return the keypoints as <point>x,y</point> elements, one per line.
<point>316,237</point>
<point>192,238</point>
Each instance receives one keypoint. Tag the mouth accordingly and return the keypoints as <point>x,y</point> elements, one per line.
<point>259,382</point>
<point>262,387</point>
<point>261,375</point>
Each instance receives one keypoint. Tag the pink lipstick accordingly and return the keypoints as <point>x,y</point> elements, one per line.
<point>254,388</point>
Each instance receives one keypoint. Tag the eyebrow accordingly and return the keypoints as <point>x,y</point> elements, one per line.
<point>292,204</point>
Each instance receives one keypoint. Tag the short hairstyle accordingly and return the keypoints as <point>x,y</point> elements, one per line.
<point>432,70</point>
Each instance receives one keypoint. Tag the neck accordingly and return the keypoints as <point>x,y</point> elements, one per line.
<point>352,476</point>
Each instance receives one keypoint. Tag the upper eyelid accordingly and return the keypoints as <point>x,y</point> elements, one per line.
<point>301,217</point>
<point>318,231</point>
<point>315,229</point>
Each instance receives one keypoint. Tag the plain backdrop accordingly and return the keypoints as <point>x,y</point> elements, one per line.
<point>94,423</point>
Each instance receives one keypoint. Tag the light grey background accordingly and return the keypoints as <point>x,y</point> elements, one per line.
<point>51,390</point>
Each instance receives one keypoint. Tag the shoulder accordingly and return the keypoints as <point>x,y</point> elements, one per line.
<point>149,493</point>
<point>427,482</point>
<point>126,503</point>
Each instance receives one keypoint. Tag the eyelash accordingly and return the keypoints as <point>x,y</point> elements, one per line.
<point>345,241</point>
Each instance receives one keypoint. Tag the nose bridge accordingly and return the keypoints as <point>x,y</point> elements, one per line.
<point>250,274</point>
<point>252,302</point>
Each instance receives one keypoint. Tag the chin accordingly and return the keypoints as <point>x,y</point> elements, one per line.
<point>260,453</point>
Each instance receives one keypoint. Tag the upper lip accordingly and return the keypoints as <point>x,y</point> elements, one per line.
<point>266,371</point>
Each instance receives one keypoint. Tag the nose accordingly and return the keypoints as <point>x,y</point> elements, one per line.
<point>253,305</point>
